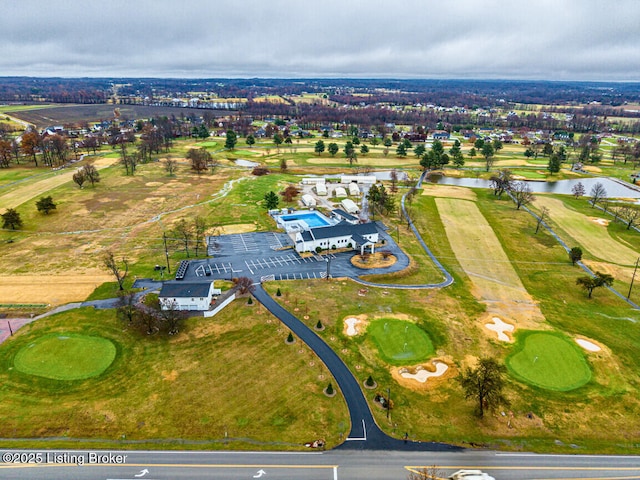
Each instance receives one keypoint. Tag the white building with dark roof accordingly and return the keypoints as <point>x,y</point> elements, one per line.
<point>342,235</point>
<point>187,296</point>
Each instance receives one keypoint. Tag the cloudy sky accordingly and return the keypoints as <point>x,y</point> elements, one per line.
<point>522,39</point>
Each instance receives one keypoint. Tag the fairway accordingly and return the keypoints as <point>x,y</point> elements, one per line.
<point>550,362</point>
<point>66,356</point>
<point>400,342</point>
<point>587,234</point>
<point>481,256</point>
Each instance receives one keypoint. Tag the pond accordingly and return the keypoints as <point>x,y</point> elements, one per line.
<point>615,188</point>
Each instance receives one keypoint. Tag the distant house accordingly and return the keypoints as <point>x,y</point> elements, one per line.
<point>187,296</point>
<point>441,135</point>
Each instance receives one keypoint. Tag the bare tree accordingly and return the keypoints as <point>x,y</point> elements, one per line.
<point>79,177</point>
<point>170,166</point>
<point>112,265</point>
<point>598,193</point>
<point>578,190</point>
<point>126,307</point>
<point>522,194</point>
<point>244,285</point>
<point>630,215</point>
<point>91,173</point>
<point>544,215</point>
<point>183,231</point>
<point>172,316</point>
<point>199,227</point>
<point>426,473</point>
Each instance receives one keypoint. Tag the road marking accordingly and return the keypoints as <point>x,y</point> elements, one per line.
<point>249,267</point>
<point>360,439</point>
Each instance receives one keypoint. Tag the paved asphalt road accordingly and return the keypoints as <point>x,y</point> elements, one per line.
<point>333,465</point>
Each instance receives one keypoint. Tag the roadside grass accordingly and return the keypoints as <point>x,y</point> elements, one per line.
<point>225,382</point>
<point>548,361</point>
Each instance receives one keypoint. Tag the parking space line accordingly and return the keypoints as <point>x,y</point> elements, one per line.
<point>279,261</point>
<point>249,267</point>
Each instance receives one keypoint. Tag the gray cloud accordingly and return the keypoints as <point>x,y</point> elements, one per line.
<point>544,39</point>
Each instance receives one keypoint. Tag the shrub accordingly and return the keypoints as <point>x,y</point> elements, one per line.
<point>290,338</point>
<point>250,301</point>
<point>333,247</point>
<point>278,293</point>
<point>319,325</point>
<point>370,382</point>
<point>318,249</point>
<point>329,389</point>
<point>259,171</point>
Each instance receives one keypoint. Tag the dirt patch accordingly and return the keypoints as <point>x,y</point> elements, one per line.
<point>238,228</point>
<point>590,168</point>
<point>154,184</point>
<point>49,289</point>
<point>449,191</point>
<point>170,376</point>
<point>376,260</point>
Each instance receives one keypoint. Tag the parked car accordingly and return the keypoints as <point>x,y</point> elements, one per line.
<point>471,475</point>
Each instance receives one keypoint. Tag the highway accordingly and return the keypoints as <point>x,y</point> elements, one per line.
<point>332,465</point>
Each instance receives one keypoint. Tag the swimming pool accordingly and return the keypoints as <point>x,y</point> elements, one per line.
<point>312,219</point>
<point>302,220</point>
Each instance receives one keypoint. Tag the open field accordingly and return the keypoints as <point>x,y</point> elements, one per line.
<point>219,383</point>
<point>50,289</point>
<point>588,233</point>
<point>43,116</point>
<point>498,263</point>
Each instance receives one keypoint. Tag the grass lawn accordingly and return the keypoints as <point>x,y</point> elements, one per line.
<point>226,382</point>
<point>400,342</point>
<point>549,361</point>
<point>66,356</point>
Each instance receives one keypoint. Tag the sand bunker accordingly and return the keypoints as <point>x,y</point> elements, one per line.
<point>354,326</point>
<point>600,221</point>
<point>587,345</point>
<point>500,327</point>
<point>422,375</point>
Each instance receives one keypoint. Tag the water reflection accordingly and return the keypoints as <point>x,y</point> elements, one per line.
<point>615,188</point>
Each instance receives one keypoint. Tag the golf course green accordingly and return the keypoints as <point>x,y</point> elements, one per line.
<point>400,342</point>
<point>66,356</point>
<point>548,361</point>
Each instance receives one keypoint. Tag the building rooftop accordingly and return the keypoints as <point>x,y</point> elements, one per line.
<point>181,289</point>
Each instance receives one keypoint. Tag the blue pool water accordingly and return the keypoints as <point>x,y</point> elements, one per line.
<point>312,219</point>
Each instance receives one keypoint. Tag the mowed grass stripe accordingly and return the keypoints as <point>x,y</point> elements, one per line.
<point>479,251</point>
<point>28,190</point>
<point>587,235</point>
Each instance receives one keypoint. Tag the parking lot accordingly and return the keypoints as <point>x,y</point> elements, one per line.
<point>265,256</point>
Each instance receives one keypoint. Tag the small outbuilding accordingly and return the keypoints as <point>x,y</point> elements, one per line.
<point>349,206</point>
<point>308,200</point>
<point>354,189</point>
<point>187,296</point>
<point>321,189</point>
<point>340,192</point>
